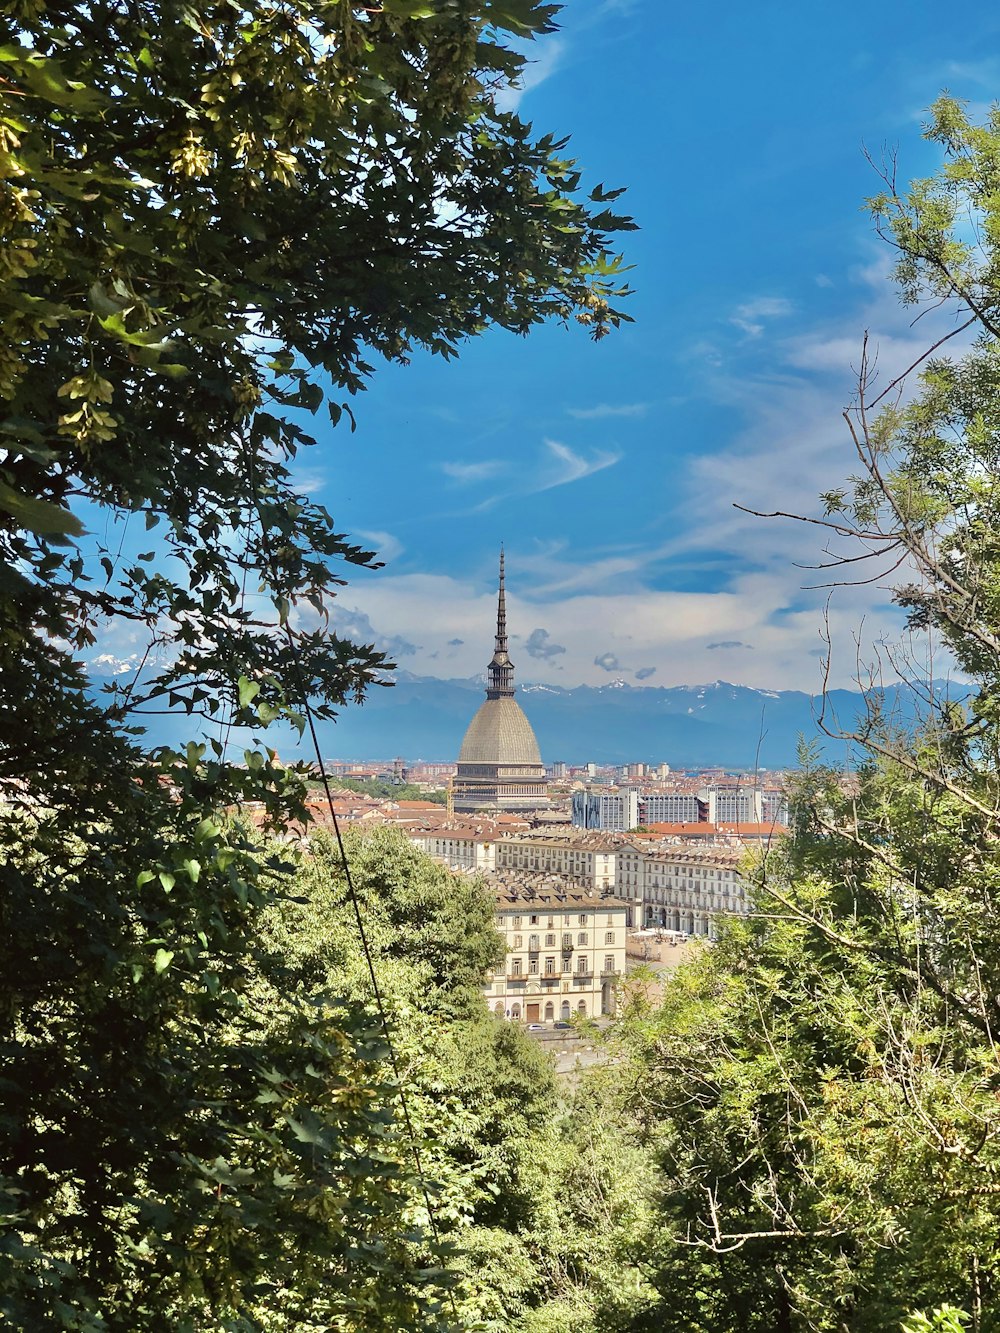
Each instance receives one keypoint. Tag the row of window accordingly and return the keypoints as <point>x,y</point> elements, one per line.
<point>549,1012</point>
<point>550,940</point>
<point>567,920</point>
<point>582,966</point>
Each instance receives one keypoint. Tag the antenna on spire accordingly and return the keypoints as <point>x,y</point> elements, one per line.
<point>501,611</point>
<point>500,672</point>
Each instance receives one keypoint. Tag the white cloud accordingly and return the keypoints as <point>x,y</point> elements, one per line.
<point>649,628</point>
<point>536,71</point>
<point>558,465</point>
<point>748,316</point>
<point>386,546</point>
<point>466,473</point>
<point>604,410</point>
<point>564,465</point>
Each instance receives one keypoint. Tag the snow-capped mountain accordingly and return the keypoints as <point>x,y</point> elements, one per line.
<point>686,726</point>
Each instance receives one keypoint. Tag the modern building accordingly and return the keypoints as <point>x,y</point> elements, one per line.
<point>671,807</point>
<point>615,810</point>
<point>565,951</point>
<point>499,765</point>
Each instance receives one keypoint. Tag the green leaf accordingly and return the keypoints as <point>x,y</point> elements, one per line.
<point>163,959</point>
<point>248,691</point>
<point>41,516</point>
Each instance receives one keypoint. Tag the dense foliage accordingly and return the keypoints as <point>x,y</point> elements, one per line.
<point>210,217</point>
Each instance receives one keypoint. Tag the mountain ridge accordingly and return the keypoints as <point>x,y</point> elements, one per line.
<point>720,724</point>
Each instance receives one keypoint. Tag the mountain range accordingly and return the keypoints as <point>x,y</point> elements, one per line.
<point>686,726</point>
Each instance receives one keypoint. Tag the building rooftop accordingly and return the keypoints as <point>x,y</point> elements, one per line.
<point>557,897</point>
<point>500,734</point>
<point>569,837</point>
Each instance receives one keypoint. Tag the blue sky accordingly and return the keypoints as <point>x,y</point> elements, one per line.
<point>610,470</point>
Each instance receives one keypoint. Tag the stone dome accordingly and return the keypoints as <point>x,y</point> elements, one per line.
<point>500,734</point>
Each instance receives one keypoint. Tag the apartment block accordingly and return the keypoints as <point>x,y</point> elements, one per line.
<point>565,951</point>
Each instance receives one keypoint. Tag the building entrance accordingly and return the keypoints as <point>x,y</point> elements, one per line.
<point>532,1013</point>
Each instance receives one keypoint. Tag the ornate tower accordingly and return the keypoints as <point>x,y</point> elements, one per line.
<point>499,766</point>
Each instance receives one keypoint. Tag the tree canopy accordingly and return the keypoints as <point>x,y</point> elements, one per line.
<point>215,220</point>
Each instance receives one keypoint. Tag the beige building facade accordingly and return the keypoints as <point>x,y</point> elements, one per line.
<point>682,889</point>
<point>565,953</point>
<point>578,855</point>
<point>459,849</point>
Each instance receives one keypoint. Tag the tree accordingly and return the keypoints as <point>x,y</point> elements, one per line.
<point>213,219</point>
<point>822,1088</point>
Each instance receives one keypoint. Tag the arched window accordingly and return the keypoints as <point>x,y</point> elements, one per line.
<point>581,1008</point>
<point>550,1012</point>
<point>498,1008</point>
<point>564,1012</point>
<point>515,1011</point>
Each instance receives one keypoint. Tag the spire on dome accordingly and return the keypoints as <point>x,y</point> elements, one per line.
<point>500,672</point>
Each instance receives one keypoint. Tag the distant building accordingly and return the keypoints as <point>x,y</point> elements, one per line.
<point>499,765</point>
<point>672,807</point>
<point>458,848</point>
<point>583,858</point>
<point>681,888</point>
<point>774,806</point>
<point>617,811</point>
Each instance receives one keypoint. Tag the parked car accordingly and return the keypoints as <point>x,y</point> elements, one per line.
<point>536,1027</point>
<point>562,1024</point>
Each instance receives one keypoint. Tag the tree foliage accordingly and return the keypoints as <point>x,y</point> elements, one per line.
<point>214,221</point>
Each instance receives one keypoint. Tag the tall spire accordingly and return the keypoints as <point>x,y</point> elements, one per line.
<point>501,645</point>
<point>500,672</point>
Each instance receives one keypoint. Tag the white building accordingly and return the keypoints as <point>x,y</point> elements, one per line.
<point>581,856</point>
<point>615,810</point>
<point>669,807</point>
<point>681,888</point>
<point>726,804</point>
<point>565,951</point>
<point>459,849</point>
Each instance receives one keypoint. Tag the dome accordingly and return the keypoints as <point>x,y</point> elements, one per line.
<point>500,734</point>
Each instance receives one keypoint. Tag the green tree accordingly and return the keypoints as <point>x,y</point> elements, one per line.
<point>213,221</point>
<point>822,1088</point>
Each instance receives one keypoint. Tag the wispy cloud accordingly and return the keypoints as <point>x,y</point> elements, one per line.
<point>607,662</point>
<point>604,410</point>
<point>728,643</point>
<point>564,465</point>
<point>386,546</point>
<point>466,473</point>
<point>750,315</point>
<point>534,74</point>
<point>558,466</point>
